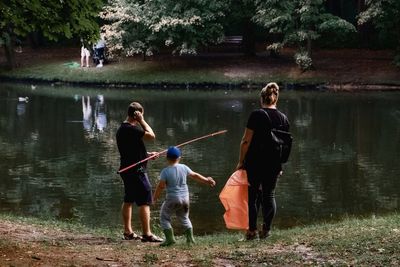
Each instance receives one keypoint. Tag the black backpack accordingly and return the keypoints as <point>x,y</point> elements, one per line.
<point>281,142</point>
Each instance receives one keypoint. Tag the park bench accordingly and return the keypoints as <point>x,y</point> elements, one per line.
<point>229,44</point>
<point>234,39</point>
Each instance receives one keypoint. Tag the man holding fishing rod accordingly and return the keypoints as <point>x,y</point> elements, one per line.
<point>130,141</point>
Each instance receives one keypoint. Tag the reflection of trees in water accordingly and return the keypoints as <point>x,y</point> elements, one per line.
<point>46,165</point>
<point>344,156</point>
<point>339,161</point>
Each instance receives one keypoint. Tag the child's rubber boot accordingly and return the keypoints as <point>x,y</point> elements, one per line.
<point>169,238</point>
<point>189,236</point>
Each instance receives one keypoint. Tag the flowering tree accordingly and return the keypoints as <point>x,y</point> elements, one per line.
<point>299,22</point>
<point>385,15</point>
<point>141,27</point>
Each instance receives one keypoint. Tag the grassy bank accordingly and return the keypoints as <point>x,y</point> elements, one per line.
<point>331,67</point>
<point>171,70</point>
<point>368,242</point>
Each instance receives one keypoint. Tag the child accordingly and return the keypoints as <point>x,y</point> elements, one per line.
<point>173,178</point>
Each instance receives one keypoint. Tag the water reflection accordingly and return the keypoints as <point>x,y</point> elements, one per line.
<point>59,155</point>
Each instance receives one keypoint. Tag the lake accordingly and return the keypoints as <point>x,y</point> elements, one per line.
<point>59,158</point>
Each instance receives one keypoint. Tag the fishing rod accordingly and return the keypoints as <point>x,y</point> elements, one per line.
<point>165,151</point>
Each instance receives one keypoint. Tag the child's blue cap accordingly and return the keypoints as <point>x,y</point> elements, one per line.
<point>173,152</point>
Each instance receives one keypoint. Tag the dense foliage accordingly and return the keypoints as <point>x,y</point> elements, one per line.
<point>141,27</point>
<point>145,26</point>
<point>385,15</point>
<point>299,23</point>
<point>52,18</point>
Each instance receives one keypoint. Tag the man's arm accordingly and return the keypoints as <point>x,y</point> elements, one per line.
<point>160,187</point>
<point>148,132</point>
<point>244,146</point>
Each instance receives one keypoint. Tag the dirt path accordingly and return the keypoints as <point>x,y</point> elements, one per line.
<point>32,245</point>
<point>23,244</point>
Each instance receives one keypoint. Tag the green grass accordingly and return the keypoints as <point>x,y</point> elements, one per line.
<point>150,72</point>
<point>373,241</point>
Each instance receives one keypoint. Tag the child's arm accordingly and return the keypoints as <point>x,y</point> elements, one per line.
<point>160,187</point>
<point>206,180</point>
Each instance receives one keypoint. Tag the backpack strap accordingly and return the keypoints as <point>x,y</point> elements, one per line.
<point>269,118</point>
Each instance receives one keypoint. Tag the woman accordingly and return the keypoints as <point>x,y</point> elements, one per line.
<point>256,157</point>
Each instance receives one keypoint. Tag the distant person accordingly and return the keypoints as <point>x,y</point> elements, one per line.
<point>99,52</point>
<point>263,169</point>
<point>130,140</point>
<point>173,178</point>
<point>85,54</point>
<point>18,45</point>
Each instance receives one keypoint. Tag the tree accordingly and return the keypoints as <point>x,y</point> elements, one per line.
<point>240,21</point>
<point>299,22</point>
<point>54,19</point>
<point>385,16</point>
<point>142,26</point>
<point>128,27</point>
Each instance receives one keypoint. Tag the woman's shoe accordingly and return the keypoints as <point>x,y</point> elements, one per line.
<point>251,235</point>
<point>264,233</point>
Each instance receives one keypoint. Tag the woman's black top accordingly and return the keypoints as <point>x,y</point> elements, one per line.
<point>259,155</point>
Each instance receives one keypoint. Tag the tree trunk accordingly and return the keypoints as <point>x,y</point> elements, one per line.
<point>360,6</point>
<point>249,41</point>
<point>309,46</point>
<point>35,39</point>
<point>10,54</point>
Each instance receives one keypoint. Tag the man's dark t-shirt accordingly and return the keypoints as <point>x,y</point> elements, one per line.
<point>130,145</point>
<point>257,156</point>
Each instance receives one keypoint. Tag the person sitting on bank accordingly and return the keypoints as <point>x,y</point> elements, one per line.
<point>173,178</point>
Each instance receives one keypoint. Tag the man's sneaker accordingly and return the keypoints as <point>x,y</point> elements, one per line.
<point>131,236</point>
<point>151,238</point>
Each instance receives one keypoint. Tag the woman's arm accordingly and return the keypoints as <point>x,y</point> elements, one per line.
<point>244,146</point>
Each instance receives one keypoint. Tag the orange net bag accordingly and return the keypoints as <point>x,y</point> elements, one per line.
<point>234,197</point>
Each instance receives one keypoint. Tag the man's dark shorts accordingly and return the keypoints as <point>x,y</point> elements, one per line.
<point>137,188</point>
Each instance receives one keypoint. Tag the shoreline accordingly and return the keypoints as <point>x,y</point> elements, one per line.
<point>347,70</point>
<point>299,86</point>
<point>371,241</point>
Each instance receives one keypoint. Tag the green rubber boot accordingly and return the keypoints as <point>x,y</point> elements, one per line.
<point>189,236</point>
<point>169,238</point>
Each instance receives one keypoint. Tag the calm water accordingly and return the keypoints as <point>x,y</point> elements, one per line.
<point>59,158</point>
